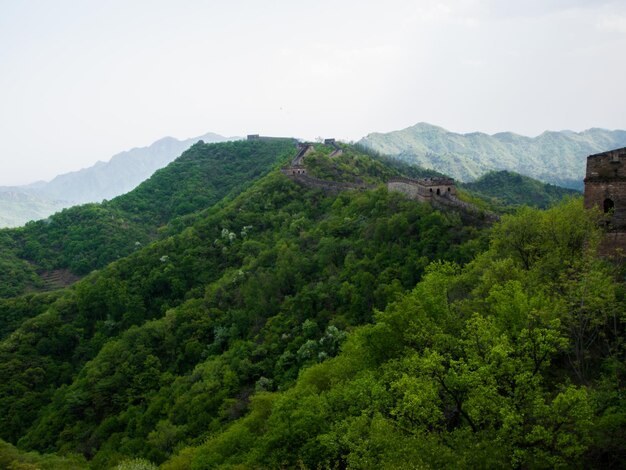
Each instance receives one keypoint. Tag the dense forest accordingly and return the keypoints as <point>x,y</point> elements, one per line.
<point>287,327</point>
<point>506,188</point>
<point>87,237</point>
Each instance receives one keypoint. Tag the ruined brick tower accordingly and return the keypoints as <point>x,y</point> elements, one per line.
<point>605,188</point>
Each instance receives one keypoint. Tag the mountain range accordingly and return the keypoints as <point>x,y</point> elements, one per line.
<point>104,180</point>
<point>553,157</point>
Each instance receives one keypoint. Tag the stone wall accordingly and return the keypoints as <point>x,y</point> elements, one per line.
<point>598,194</point>
<point>440,192</point>
<point>303,151</point>
<point>426,191</point>
<point>423,189</point>
<point>605,185</point>
<point>607,166</point>
<point>335,153</point>
<point>605,189</point>
<point>337,150</point>
<point>409,189</point>
<point>293,170</point>
<point>613,244</point>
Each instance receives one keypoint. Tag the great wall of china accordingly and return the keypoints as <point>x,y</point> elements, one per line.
<point>298,172</point>
<point>439,192</point>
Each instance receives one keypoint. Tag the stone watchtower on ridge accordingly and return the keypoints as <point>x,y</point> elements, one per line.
<point>605,188</point>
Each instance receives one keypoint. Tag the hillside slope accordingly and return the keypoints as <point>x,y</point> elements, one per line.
<point>507,188</point>
<point>293,327</point>
<point>553,157</point>
<point>104,180</point>
<point>165,346</point>
<point>490,365</point>
<point>83,238</point>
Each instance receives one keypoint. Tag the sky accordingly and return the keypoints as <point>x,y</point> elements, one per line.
<point>83,80</point>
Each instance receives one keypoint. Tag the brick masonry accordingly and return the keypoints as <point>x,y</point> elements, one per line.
<point>605,189</point>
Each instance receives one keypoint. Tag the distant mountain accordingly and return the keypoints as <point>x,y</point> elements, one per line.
<point>15,204</point>
<point>553,157</point>
<point>104,180</point>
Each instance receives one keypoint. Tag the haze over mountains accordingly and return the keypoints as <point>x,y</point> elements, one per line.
<point>104,180</point>
<point>553,157</point>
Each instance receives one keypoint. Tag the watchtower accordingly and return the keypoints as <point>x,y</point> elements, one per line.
<point>605,188</point>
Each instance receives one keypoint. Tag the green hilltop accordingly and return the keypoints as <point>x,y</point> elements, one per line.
<point>263,323</point>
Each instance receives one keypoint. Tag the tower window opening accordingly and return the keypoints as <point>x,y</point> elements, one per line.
<point>438,192</point>
<point>608,205</point>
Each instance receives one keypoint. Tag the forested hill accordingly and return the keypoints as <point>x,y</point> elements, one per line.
<point>165,347</point>
<point>292,327</point>
<point>87,237</point>
<point>515,360</point>
<point>553,157</point>
<point>512,189</point>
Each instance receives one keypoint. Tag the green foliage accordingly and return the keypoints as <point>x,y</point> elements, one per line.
<point>351,166</point>
<point>14,459</point>
<point>477,367</point>
<point>166,346</point>
<point>506,188</point>
<point>83,238</point>
<point>136,464</point>
<point>15,310</point>
<point>286,327</point>
<point>15,273</point>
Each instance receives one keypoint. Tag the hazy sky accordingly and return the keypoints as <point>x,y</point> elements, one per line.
<point>83,80</point>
